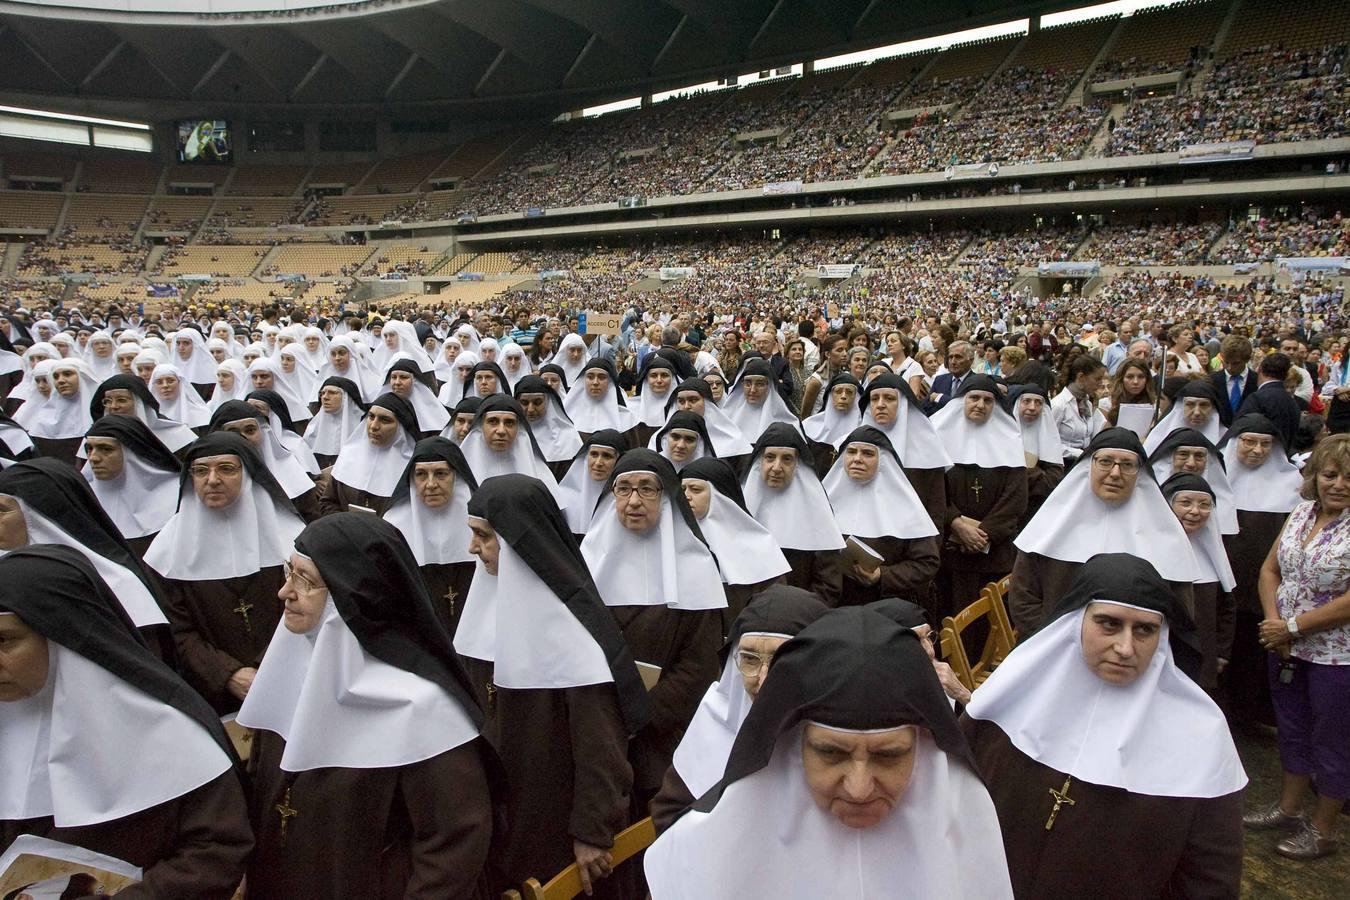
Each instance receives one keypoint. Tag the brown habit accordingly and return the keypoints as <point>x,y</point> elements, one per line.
<point>448,586</point>
<point>191,848</point>
<point>334,496</point>
<point>214,638</point>
<point>1246,682</point>
<point>816,571</point>
<point>931,486</point>
<point>419,831</point>
<point>910,566</point>
<point>1109,842</point>
<point>997,497</point>
<point>1039,582</point>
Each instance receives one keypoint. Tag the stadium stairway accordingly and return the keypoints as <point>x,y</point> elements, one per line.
<point>1099,140</point>
<point>9,262</point>
<point>1076,95</point>
<point>1220,38</point>
<point>266,260</point>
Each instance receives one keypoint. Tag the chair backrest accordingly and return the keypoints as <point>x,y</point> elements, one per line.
<point>997,645</point>
<point>567,883</point>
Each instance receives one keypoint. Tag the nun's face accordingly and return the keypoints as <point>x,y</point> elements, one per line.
<point>637,500</point>
<point>248,429</point>
<point>1190,459</point>
<point>1119,641</point>
<point>103,348</point>
<point>23,660</point>
<point>755,388</point>
<point>463,370</point>
<point>659,381</point>
<point>145,371</point>
<point>1030,407</point>
<point>225,380</point>
<point>534,404</point>
<point>67,382</point>
<point>719,388</point>
<point>843,397</point>
<point>1254,449</point>
<point>463,422</point>
<point>218,480</point>
<point>681,442</point>
<point>450,351</point>
<point>13,526</point>
<point>119,402</point>
<point>304,594</point>
<point>330,399</point>
<point>600,462</point>
<point>979,405</point>
<point>877,371</point>
<point>485,383</point>
<point>861,462</point>
<point>1196,411</point>
<point>218,353</point>
<point>43,385</point>
<point>1193,509</point>
<point>166,388</point>
<point>401,383</point>
<point>391,339</point>
<point>488,353</point>
<point>312,343</point>
<point>434,483</point>
<point>778,466</point>
<point>483,543</point>
<point>753,655</point>
<point>381,426</point>
<point>340,357</point>
<point>262,380</point>
<point>884,404</point>
<point>513,362</point>
<point>251,355</point>
<point>576,353</point>
<point>858,778</point>
<point>689,401</point>
<point>184,347</point>
<point>597,383</point>
<point>287,363</point>
<point>499,430</point>
<point>699,495</point>
<point>552,380</point>
<point>124,363</point>
<point>1113,474</point>
<point>105,457</point>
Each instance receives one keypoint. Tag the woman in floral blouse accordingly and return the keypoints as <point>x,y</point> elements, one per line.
<point>1305,593</point>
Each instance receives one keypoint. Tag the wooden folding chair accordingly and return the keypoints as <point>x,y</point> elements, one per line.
<point>567,883</point>
<point>1001,588</point>
<point>997,645</point>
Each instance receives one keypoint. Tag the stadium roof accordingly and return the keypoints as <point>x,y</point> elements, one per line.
<point>507,58</point>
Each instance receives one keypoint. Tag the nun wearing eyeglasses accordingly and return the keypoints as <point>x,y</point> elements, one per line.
<point>430,510</point>
<point>102,746</point>
<point>370,775</point>
<point>1093,728</point>
<point>767,623</point>
<point>849,778</point>
<point>250,423</point>
<point>1110,486</point>
<point>656,574</point>
<point>557,682</point>
<point>220,559</point>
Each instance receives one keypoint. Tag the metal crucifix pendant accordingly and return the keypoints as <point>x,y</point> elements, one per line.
<point>1061,799</point>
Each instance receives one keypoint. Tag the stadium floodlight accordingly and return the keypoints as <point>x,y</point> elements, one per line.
<point>69,117</point>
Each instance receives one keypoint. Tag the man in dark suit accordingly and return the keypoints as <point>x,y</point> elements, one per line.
<point>1235,380</point>
<point>960,356</point>
<point>1273,400</point>
<point>766,345</point>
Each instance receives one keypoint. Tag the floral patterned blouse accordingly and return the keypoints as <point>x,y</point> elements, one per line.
<point>1313,576</point>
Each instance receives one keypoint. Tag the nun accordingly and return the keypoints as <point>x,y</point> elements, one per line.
<point>586,478</point>
<point>748,555</point>
<point>1265,490</point>
<point>696,396</point>
<point>753,403</point>
<point>295,366</point>
<point>404,379</point>
<point>458,381</point>
<point>345,360</point>
<point>661,582</point>
<point>251,424</point>
<point>559,686</point>
<point>782,491</point>
<point>45,501</point>
<point>876,507</point>
<point>850,752</point>
<point>914,617</point>
<point>553,431</point>
<point>339,416</point>
<point>986,491</point>
<point>15,444</point>
<point>653,395</point>
<point>232,383</point>
<point>555,377</point>
<point>101,356</point>
<point>429,507</point>
<point>103,747</point>
<point>1194,503</point>
<point>571,356</point>
<point>133,476</point>
<point>267,375</point>
<point>501,442</point>
<point>841,415</point>
<point>177,398</point>
<point>127,395</point>
<point>1187,451</point>
<point>194,361</point>
<point>684,439</point>
<point>66,412</point>
<point>514,366</point>
<point>1196,406</point>
<point>485,379</point>
<point>595,402</point>
<point>1111,487</point>
<point>370,463</point>
<point>890,406</point>
<point>41,384</point>
<point>767,623</point>
<point>461,420</point>
<point>1094,728</point>
<point>1042,452</point>
<point>273,408</point>
<point>370,776</point>
<point>220,560</point>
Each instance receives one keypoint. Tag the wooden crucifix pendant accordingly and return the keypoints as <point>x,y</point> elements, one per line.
<point>286,811</point>
<point>243,610</point>
<point>1061,799</point>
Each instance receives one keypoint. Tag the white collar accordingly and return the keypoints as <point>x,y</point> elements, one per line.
<point>435,536</point>
<point>580,492</point>
<point>1175,418</point>
<point>799,515</point>
<point>327,432</point>
<point>140,499</point>
<point>521,459</point>
<point>556,435</point>
<point>1274,487</point>
<point>363,466</point>
<point>992,444</point>
<point>746,551</point>
<point>913,436</point>
<point>886,506</point>
<point>590,415</point>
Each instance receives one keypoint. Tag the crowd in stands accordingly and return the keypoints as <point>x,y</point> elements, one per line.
<point>1313,232</point>
<point>1169,244</point>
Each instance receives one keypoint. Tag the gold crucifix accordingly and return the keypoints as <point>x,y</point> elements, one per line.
<point>243,608</point>
<point>450,596</point>
<point>286,811</point>
<point>976,487</point>
<point>491,695</point>
<point>1061,799</point>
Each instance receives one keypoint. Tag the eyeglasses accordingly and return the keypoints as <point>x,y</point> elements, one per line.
<point>1105,464</point>
<point>224,470</point>
<point>748,663</point>
<point>300,580</point>
<point>645,491</point>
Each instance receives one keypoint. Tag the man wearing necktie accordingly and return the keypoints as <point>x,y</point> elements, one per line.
<point>1235,380</point>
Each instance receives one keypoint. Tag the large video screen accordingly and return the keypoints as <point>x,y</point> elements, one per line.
<point>205,141</point>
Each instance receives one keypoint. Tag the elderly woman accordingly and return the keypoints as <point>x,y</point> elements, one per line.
<point>1305,596</point>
